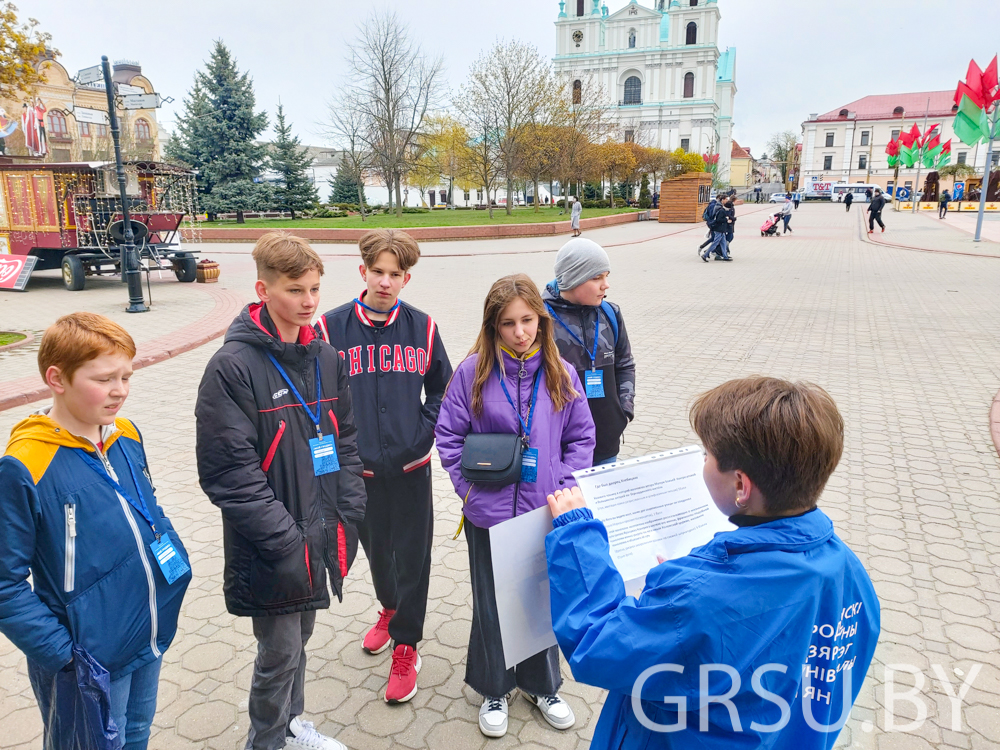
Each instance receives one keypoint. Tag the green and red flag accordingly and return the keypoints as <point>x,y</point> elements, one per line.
<point>892,149</point>
<point>944,158</point>
<point>909,146</point>
<point>977,96</point>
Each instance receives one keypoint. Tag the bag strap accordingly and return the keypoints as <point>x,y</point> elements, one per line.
<point>609,311</point>
<point>461,524</point>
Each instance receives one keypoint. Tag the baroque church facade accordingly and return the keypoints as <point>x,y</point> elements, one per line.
<point>661,68</point>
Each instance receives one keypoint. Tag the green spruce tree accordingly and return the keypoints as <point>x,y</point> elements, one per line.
<point>645,200</point>
<point>295,191</point>
<point>217,136</point>
<point>346,188</point>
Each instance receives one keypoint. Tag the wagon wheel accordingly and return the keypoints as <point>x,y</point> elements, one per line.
<point>73,273</point>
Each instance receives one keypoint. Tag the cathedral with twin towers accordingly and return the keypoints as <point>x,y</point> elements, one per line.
<point>661,66</point>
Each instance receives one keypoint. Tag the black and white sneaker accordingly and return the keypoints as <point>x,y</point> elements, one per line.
<point>555,710</point>
<point>493,717</point>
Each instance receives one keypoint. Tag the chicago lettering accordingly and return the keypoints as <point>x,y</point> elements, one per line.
<point>385,358</point>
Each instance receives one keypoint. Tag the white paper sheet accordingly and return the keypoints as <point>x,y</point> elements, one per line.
<point>652,506</point>
<point>521,580</point>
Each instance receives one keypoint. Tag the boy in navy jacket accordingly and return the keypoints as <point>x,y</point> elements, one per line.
<point>398,371</point>
<point>79,513</point>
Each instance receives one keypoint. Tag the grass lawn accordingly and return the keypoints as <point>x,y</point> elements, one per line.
<point>430,219</point>
<point>10,338</point>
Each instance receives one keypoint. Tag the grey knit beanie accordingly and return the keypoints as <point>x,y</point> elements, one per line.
<point>580,260</point>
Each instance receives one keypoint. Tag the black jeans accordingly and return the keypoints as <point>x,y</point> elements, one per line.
<point>942,210</point>
<point>485,670</point>
<point>872,218</point>
<point>396,535</point>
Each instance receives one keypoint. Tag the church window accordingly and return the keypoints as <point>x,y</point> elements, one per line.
<point>57,124</point>
<point>631,39</point>
<point>633,90</point>
<point>142,132</point>
<point>694,3</point>
<point>689,85</point>
<point>685,144</point>
<point>630,136</point>
<point>579,7</point>
<point>577,91</point>
<point>692,33</point>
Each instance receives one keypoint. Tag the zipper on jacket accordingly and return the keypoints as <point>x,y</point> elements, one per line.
<point>517,485</point>
<point>153,621</point>
<point>69,576</point>
<point>273,447</point>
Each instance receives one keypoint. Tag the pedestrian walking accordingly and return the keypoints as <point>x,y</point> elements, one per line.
<point>513,394</point>
<point>730,206</point>
<point>718,222</point>
<point>943,207</point>
<point>795,199</point>
<point>756,194</point>
<point>875,211</point>
<point>848,200</point>
<point>574,219</point>
<point>868,195</point>
<point>786,213</point>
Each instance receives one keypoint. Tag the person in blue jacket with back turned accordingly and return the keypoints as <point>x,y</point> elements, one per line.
<point>760,638</point>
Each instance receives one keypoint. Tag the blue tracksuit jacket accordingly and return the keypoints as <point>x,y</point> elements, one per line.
<point>784,611</point>
<point>94,580</point>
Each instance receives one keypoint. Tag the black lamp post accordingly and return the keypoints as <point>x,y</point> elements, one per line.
<point>129,257</point>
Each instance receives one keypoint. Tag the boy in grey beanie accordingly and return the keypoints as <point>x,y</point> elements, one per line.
<point>576,302</point>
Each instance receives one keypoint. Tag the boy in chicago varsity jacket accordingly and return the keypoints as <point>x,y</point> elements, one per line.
<point>277,453</point>
<point>398,370</point>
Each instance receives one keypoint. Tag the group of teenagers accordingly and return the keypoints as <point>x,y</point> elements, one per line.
<point>313,435</point>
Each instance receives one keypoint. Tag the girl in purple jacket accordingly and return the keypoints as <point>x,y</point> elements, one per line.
<point>514,382</point>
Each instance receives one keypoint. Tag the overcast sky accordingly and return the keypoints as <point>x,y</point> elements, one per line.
<point>794,56</point>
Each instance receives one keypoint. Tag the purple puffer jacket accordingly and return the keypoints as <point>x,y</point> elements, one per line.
<point>565,440</point>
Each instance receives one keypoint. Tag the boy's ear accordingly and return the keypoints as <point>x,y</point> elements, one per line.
<point>406,279</point>
<point>261,289</point>
<point>363,269</point>
<point>55,381</point>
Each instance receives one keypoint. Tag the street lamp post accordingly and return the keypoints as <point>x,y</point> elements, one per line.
<point>129,261</point>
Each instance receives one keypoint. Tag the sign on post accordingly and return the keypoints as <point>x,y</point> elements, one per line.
<point>94,116</point>
<point>89,75</point>
<point>124,88</point>
<point>15,270</point>
<point>141,101</point>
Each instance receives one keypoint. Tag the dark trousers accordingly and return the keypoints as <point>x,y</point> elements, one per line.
<point>942,210</point>
<point>277,691</point>
<point>397,534</point>
<point>485,670</point>
<point>848,206</point>
<point>872,218</point>
<point>786,218</point>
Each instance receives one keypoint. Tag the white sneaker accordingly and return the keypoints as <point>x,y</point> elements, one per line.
<point>305,736</point>
<point>493,717</point>
<point>555,710</point>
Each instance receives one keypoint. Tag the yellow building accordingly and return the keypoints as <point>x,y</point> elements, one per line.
<point>64,136</point>
<point>740,167</point>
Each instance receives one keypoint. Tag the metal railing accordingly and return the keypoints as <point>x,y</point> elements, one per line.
<point>629,103</point>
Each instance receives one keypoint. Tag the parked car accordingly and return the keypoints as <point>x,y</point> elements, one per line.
<point>780,197</point>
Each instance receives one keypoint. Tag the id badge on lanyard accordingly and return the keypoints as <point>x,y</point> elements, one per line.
<point>322,449</point>
<point>594,383</point>
<point>593,379</point>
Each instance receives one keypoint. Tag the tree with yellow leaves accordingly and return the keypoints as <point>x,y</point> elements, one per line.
<point>618,160</point>
<point>22,47</point>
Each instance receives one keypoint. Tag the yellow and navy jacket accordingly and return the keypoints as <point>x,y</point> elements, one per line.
<point>96,582</point>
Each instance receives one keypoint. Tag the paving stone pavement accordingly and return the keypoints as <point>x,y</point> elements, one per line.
<point>904,341</point>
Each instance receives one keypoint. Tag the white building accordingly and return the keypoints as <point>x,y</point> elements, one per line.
<point>661,66</point>
<point>847,144</point>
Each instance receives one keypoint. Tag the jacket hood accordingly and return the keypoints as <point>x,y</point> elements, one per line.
<point>254,326</point>
<point>797,534</point>
<point>41,428</point>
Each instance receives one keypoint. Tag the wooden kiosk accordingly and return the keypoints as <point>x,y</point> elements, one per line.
<point>683,199</point>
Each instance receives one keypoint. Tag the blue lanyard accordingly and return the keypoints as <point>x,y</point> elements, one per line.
<point>140,506</point>
<point>525,426</point>
<point>390,311</point>
<point>314,417</point>
<point>597,328</point>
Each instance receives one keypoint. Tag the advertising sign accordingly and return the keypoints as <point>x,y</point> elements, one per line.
<point>959,192</point>
<point>15,270</point>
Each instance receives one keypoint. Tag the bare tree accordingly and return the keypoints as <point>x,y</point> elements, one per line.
<point>584,121</point>
<point>393,86</point>
<point>782,145</point>
<point>346,128</point>
<point>481,156</point>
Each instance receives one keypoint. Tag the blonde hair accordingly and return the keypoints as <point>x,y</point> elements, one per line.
<point>281,254</point>
<point>487,346</point>
<point>75,339</point>
<point>787,437</point>
<point>400,244</point>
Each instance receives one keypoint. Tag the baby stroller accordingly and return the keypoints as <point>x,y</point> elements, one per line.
<point>770,227</point>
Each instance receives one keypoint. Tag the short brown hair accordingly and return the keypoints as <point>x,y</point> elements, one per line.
<point>75,339</point>
<point>281,254</point>
<point>400,244</point>
<point>787,437</point>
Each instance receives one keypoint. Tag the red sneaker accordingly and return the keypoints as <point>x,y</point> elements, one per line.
<point>883,229</point>
<point>403,675</point>
<point>377,639</point>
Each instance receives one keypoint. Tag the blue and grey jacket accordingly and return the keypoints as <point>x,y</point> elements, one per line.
<point>778,621</point>
<point>96,582</point>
